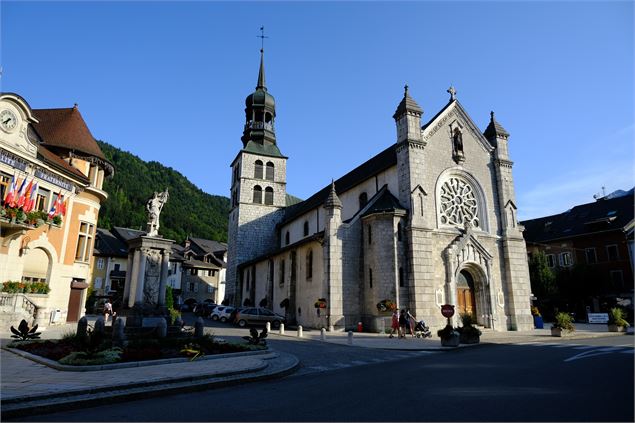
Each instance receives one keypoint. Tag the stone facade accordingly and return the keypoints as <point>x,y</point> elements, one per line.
<point>431,220</point>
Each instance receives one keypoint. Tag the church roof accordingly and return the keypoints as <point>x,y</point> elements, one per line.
<point>290,200</point>
<point>494,128</point>
<point>385,203</point>
<point>271,150</point>
<point>407,103</point>
<point>375,165</point>
<point>66,128</point>
<point>600,216</point>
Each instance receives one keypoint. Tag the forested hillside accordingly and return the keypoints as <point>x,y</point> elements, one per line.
<point>189,211</point>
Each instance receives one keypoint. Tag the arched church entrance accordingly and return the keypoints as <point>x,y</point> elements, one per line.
<point>465,290</point>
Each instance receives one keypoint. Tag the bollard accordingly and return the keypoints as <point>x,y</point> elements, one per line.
<point>322,334</point>
<point>350,337</point>
<point>299,331</point>
<point>360,328</point>
<point>281,328</point>
<point>331,328</point>
<point>99,326</point>
<point>82,326</point>
<point>268,326</point>
<point>162,328</point>
<point>198,327</point>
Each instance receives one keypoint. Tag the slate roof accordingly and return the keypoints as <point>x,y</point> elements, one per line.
<point>407,103</point>
<point>494,128</point>
<point>107,244</point>
<point>386,203</point>
<point>600,216</point>
<point>126,234</point>
<point>66,128</point>
<point>202,247</point>
<point>271,150</point>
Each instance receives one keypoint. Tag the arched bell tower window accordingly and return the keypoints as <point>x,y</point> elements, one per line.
<point>258,169</point>
<point>269,196</point>
<point>258,194</point>
<point>270,169</point>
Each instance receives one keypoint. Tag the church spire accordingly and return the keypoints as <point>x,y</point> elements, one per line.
<point>261,72</point>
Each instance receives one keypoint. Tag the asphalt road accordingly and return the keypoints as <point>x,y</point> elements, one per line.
<point>568,381</point>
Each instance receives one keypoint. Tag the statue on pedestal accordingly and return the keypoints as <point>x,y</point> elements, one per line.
<point>154,206</point>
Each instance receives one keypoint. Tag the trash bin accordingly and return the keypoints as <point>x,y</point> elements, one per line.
<point>538,323</point>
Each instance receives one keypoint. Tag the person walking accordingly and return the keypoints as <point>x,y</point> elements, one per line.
<point>107,310</point>
<point>403,322</point>
<point>411,322</point>
<point>394,324</point>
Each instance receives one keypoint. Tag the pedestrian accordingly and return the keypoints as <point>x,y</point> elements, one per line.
<point>403,322</point>
<point>394,324</point>
<point>411,322</point>
<point>107,310</point>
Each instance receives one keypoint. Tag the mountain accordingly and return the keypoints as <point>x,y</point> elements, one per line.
<point>619,193</point>
<point>189,210</point>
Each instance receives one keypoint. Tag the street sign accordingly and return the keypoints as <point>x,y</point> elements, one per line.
<point>447,310</point>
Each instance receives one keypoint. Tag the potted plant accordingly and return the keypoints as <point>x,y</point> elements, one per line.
<point>617,323</point>
<point>563,324</point>
<point>468,333</point>
<point>449,337</point>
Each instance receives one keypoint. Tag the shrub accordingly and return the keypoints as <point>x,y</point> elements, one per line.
<point>616,317</point>
<point>563,321</point>
<point>112,355</point>
<point>446,332</point>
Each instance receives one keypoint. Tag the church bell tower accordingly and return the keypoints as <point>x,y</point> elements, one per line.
<point>258,189</point>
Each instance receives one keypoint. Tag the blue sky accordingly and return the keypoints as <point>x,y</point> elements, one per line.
<point>167,82</point>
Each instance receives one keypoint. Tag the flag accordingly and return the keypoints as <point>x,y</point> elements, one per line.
<point>29,204</point>
<point>63,207</point>
<point>16,194</point>
<point>13,186</point>
<point>55,208</point>
<point>24,194</point>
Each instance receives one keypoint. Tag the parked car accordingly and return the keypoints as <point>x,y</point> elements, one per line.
<point>258,316</point>
<point>222,313</point>
<point>204,310</point>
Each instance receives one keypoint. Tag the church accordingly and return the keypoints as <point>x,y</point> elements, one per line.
<point>431,220</point>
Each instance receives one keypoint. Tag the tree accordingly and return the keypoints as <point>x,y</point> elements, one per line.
<point>543,279</point>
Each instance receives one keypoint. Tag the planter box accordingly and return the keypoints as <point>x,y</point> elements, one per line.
<point>616,328</point>
<point>559,332</point>
<point>469,339</point>
<point>451,341</point>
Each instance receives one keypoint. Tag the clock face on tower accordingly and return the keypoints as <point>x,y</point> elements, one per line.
<point>8,120</point>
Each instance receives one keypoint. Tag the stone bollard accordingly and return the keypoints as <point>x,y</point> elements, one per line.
<point>322,334</point>
<point>82,327</point>
<point>350,337</point>
<point>281,328</point>
<point>162,328</point>
<point>198,327</point>
<point>331,328</point>
<point>299,331</point>
<point>118,335</point>
<point>99,328</point>
<point>268,326</point>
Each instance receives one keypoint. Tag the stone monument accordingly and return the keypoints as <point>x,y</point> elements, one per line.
<point>146,278</point>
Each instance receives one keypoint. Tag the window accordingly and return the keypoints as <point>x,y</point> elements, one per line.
<point>309,265</point>
<point>270,264</point>
<point>42,199</point>
<point>258,170</point>
<point>117,267</point>
<point>617,278</point>
<point>591,258</point>
<point>612,253</point>
<point>306,229</point>
<point>370,235</point>
<point>551,260</point>
<point>370,277</point>
<point>97,283</point>
<point>258,194</point>
<point>193,271</point>
<point>84,249</point>
<point>190,286</point>
<point>363,199</point>
<point>100,263</point>
<point>270,170</point>
<point>565,259</point>
<point>286,238</point>
<point>458,203</point>
<point>399,236</point>
<point>281,272</point>
<point>210,289</point>
<point>401,281</point>
<point>269,196</point>
<point>5,181</point>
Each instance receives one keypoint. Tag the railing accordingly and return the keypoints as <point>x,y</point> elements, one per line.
<point>18,303</point>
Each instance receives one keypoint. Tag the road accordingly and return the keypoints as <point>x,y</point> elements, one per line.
<point>582,380</point>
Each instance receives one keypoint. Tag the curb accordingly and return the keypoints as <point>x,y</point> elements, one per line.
<point>279,365</point>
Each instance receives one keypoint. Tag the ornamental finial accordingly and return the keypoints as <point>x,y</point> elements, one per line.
<point>452,92</point>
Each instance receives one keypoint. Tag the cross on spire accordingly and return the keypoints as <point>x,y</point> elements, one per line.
<point>262,38</point>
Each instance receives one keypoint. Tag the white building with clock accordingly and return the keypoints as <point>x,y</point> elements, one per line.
<point>429,220</point>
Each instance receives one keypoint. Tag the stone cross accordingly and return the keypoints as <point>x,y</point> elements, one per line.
<point>452,92</point>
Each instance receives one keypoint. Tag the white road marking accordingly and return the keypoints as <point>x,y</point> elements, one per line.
<point>593,353</point>
<point>585,347</point>
<point>631,351</point>
<point>359,363</point>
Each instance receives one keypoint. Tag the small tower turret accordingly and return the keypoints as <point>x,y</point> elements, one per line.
<point>408,119</point>
<point>260,112</point>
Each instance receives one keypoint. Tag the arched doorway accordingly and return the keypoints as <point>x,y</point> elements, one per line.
<point>465,298</point>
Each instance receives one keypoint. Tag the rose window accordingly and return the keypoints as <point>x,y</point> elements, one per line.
<point>458,203</point>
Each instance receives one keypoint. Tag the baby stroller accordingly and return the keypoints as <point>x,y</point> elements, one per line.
<point>421,330</point>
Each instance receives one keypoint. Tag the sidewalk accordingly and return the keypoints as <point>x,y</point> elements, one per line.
<point>28,387</point>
